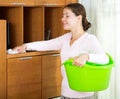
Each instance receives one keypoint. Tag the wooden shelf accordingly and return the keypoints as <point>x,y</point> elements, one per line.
<point>39,53</point>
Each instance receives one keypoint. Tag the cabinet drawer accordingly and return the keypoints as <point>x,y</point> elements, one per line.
<point>18,2</point>
<point>24,78</point>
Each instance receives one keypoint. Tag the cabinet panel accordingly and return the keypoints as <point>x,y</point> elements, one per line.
<point>51,76</point>
<point>2,59</point>
<point>24,78</point>
<point>71,1</point>
<point>17,2</point>
<point>53,2</point>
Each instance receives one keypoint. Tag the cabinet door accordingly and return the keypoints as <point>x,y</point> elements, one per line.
<point>17,2</point>
<point>24,78</point>
<point>51,76</point>
<point>53,2</point>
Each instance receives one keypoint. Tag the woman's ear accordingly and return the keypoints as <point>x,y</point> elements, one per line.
<point>80,17</point>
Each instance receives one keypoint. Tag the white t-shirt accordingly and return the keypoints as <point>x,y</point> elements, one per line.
<point>87,43</point>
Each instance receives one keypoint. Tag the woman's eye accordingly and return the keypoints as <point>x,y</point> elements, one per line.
<point>67,16</point>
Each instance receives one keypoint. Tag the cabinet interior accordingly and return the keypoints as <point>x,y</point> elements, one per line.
<point>14,17</point>
<point>33,24</point>
<point>53,22</point>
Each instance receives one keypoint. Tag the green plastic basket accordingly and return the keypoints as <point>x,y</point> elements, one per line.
<point>90,77</point>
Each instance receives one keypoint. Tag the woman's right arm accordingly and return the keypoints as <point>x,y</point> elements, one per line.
<point>53,44</point>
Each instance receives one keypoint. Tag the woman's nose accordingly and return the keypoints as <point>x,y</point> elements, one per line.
<point>62,19</point>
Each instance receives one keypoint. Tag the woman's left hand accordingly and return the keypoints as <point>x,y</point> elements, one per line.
<point>81,59</point>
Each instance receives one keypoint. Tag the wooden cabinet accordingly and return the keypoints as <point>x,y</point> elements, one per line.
<point>51,76</point>
<point>24,78</point>
<point>34,77</point>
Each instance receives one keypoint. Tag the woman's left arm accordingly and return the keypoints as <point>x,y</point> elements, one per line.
<point>96,55</point>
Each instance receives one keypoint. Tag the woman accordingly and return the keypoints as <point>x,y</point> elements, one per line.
<point>78,44</point>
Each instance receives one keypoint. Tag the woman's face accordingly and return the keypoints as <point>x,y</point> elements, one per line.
<point>69,19</point>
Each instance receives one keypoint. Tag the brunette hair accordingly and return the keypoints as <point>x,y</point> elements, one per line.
<point>79,9</point>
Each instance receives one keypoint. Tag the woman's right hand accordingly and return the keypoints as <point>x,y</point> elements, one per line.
<point>20,49</point>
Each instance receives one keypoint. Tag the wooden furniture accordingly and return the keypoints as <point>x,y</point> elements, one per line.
<point>2,59</point>
<point>34,75</point>
<point>31,75</point>
<point>24,78</point>
<point>51,83</point>
<point>20,2</point>
<point>35,2</point>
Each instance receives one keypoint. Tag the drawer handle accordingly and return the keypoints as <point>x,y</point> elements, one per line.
<point>25,58</point>
<point>17,3</point>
